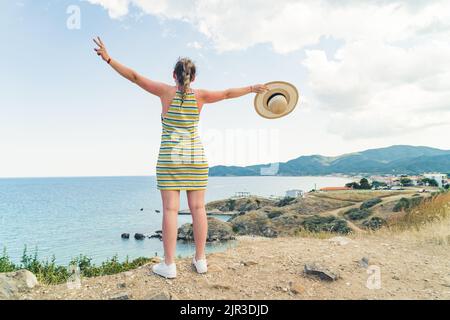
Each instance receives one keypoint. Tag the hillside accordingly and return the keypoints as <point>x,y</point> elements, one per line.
<point>398,159</point>
<point>363,265</point>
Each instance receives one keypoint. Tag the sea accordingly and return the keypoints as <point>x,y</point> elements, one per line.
<point>66,217</point>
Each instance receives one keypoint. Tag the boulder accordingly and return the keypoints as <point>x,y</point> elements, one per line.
<point>139,236</point>
<point>13,283</point>
<point>218,230</point>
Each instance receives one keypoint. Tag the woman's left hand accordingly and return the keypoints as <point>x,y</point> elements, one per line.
<point>101,50</point>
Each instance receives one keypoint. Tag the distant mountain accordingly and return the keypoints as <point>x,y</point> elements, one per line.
<point>395,159</point>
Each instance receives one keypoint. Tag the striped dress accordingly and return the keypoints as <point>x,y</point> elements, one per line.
<point>182,164</point>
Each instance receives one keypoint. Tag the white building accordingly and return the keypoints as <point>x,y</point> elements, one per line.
<point>440,178</point>
<point>294,193</point>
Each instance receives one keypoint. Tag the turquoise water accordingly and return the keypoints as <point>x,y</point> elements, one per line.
<point>66,217</point>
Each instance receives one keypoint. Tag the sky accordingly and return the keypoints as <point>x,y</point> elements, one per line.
<point>370,74</point>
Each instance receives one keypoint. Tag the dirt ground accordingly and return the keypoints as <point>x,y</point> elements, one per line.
<point>399,267</point>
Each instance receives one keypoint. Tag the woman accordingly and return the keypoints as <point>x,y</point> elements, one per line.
<point>182,164</point>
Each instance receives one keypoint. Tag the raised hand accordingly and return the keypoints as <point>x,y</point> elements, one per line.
<point>259,88</point>
<point>101,50</point>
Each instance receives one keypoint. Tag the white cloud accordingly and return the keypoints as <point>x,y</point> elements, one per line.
<point>392,73</point>
<point>194,44</point>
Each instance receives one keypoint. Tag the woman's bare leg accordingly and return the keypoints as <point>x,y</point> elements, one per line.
<point>171,206</point>
<point>196,201</point>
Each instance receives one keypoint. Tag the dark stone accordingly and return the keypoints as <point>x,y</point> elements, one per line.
<point>320,272</point>
<point>364,262</point>
<point>139,236</point>
<point>125,236</point>
<point>120,296</point>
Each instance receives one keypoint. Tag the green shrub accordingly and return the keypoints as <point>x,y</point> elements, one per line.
<point>329,223</point>
<point>374,223</point>
<point>357,214</point>
<point>230,205</point>
<point>274,213</point>
<point>405,203</point>
<point>285,201</point>
<point>5,263</point>
<point>370,203</point>
<point>48,272</point>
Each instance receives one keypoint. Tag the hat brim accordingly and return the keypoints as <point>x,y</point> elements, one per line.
<point>276,87</point>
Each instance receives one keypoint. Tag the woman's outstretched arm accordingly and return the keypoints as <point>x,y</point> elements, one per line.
<point>154,87</point>
<point>207,96</point>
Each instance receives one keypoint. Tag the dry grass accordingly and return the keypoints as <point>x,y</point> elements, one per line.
<point>428,222</point>
<point>357,195</point>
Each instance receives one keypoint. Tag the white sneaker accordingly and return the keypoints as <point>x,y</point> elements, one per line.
<point>201,266</point>
<point>164,270</point>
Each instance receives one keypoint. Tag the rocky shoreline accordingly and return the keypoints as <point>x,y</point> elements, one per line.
<point>336,212</point>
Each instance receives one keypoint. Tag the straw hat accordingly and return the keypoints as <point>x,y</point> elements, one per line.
<point>278,101</point>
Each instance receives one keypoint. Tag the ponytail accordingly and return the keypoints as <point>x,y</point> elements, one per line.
<point>185,72</point>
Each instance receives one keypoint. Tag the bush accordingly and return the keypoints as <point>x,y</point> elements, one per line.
<point>285,201</point>
<point>5,263</point>
<point>374,223</point>
<point>230,204</point>
<point>405,203</point>
<point>357,214</point>
<point>370,203</point>
<point>47,272</point>
<point>274,214</point>
<point>328,224</point>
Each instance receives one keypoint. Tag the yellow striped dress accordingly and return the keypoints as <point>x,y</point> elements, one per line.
<point>182,164</point>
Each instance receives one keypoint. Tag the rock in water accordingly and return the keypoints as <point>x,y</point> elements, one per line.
<point>156,235</point>
<point>322,273</point>
<point>125,236</point>
<point>218,230</point>
<point>139,236</point>
<point>12,283</point>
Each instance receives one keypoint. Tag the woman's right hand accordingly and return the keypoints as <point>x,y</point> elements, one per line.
<point>101,50</point>
<point>259,88</point>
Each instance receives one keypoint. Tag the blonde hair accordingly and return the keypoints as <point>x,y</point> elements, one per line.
<point>185,73</point>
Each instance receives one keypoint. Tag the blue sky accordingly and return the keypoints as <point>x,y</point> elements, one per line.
<point>64,112</point>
